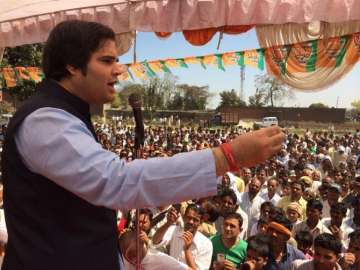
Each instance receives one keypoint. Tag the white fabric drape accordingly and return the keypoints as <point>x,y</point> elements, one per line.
<point>290,33</point>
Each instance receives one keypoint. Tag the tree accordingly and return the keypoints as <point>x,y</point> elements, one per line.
<point>231,99</point>
<point>127,91</point>
<point>274,90</point>
<point>258,99</point>
<point>318,105</point>
<point>356,104</point>
<point>24,56</point>
<point>194,97</point>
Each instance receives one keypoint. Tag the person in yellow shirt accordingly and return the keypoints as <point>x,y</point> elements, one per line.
<point>296,193</point>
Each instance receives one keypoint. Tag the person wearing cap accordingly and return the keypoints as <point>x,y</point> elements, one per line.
<point>282,254</point>
<point>313,222</point>
<point>296,192</point>
<point>293,213</point>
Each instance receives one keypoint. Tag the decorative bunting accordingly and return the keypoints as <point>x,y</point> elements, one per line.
<point>304,65</point>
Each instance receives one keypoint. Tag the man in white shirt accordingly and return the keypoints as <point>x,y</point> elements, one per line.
<point>271,194</point>
<point>251,201</point>
<point>151,259</point>
<point>187,245</point>
<point>313,222</point>
<point>337,224</point>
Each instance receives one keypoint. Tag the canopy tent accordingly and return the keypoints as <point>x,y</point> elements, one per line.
<point>29,21</point>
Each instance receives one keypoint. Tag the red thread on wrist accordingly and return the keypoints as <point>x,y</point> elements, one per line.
<point>226,149</point>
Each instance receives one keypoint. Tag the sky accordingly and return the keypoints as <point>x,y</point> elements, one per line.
<point>150,47</point>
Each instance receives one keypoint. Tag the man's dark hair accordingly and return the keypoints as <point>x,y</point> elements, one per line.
<point>196,208</point>
<point>211,210</point>
<point>281,219</point>
<point>356,201</point>
<point>304,237</point>
<point>339,207</point>
<point>234,216</point>
<point>72,43</point>
<point>314,204</point>
<point>147,212</point>
<point>230,193</point>
<point>299,183</point>
<point>260,244</point>
<point>329,242</point>
<point>266,204</point>
<point>355,236</point>
<point>275,211</point>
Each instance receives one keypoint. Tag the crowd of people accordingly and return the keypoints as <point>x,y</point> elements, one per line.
<point>299,210</point>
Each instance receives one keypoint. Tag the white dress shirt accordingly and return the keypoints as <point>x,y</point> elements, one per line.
<point>251,208</point>
<point>345,229</point>
<point>201,247</point>
<point>156,260</point>
<point>59,146</point>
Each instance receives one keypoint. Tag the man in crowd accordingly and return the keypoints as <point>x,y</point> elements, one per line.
<point>313,222</point>
<point>251,201</point>
<point>229,244</point>
<point>282,254</point>
<point>229,205</point>
<point>327,250</point>
<point>186,244</point>
<point>337,224</point>
<point>295,196</point>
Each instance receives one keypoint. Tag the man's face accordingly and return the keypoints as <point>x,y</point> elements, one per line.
<point>247,174</point>
<point>254,186</point>
<point>97,86</point>
<point>227,205</point>
<point>313,215</point>
<point>324,259</point>
<point>296,191</point>
<point>192,220</point>
<point>333,197</point>
<point>276,236</point>
<point>230,228</point>
<point>144,222</point>
<point>272,186</point>
<point>258,261</point>
<point>292,215</point>
<point>336,217</point>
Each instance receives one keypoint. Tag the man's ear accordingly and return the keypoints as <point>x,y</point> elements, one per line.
<point>72,70</point>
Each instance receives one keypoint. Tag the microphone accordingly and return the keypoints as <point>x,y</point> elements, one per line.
<point>135,103</point>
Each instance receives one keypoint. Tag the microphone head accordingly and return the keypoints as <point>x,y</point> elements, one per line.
<point>135,101</point>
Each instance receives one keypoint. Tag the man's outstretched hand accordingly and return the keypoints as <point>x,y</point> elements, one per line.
<point>251,148</point>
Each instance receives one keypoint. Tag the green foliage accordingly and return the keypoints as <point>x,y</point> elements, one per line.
<point>117,102</point>
<point>22,56</point>
<point>164,94</point>
<point>231,99</point>
<point>258,99</point>
<point>318,105</point>
<point>272,90</point>
<point>356,104</point>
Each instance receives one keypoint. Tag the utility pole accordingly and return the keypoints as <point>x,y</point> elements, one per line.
<point>242,80</point>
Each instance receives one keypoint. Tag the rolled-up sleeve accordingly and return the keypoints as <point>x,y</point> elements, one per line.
<point>59,146</point>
